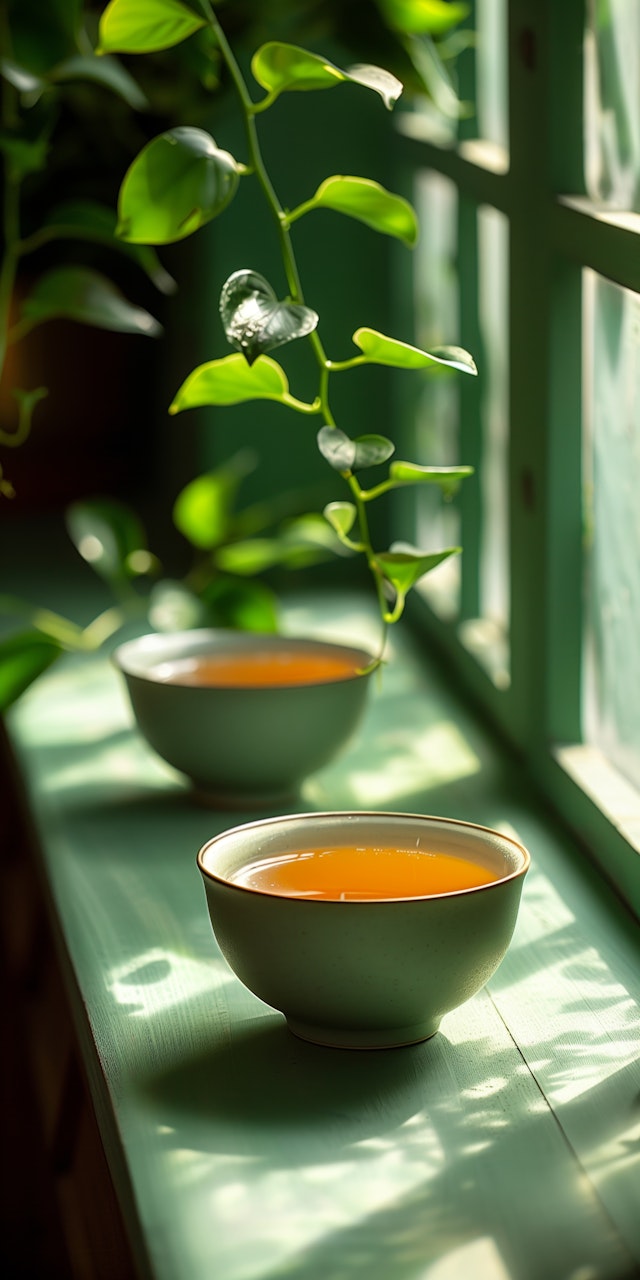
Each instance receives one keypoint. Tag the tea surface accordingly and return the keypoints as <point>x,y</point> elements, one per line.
<point>348,872</point>
<point>257,669</point>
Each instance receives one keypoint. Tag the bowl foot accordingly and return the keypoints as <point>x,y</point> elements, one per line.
<point>372,1038</point>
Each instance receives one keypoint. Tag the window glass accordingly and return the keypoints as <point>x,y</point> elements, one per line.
<point>611,447</point>
<point>437,409</point>
<point>612,102</point>
<point>488,634</point>
<point>491,71</point>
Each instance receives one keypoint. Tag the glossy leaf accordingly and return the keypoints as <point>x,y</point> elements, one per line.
<point>341,516</point>
<point>82,294</point>
<point>336,448</point>
<point>255,321</point>
<point>344,454</point>
<point>380,349</point>
<point>280,67</point>
<point>108,534</point>
<point>369,202</point>
<point>202,511</point>
<point>145,26</point>
<point>404,568</point>
<point>107,72</point>
<point>231,381</point>
<point>89,220</point>
<point>447,478</point>
<point>178,182</point>
<point>416,17</point>
<point>23,657</point>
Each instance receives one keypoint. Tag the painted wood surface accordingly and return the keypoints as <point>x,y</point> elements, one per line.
<point>507,1148</point>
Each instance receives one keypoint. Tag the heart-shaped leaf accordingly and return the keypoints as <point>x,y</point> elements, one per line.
<point>405,567</point>
<point>344,454</point>
<point>231,381</point>
<point>371,450</point>
<point>379,349</point>
<point>145,26</point>
<point>82,294</point>
<point>23,657</point>
<point>336,448</point>
<point>203,509</point>
<point>369,202</point>
<point>448,478</point>
<point>341,516</point>
<point>402,568</point>
<point>280,67</point>
<point>178,182</point>
<point>253,318</point>
<point>108,535</point>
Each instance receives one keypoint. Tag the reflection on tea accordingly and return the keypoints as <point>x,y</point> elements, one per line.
<point>257,669</point>
<point>348,872</point>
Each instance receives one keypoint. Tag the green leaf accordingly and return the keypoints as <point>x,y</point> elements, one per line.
<point>202,511</point>
<point>280,67</point>
<point>403,568</point>
<point>448,478</point>
<point>23,657</point>
<point>371,450</point>
<point>366,200</point>
<point>82,294</point>
<point>231,381</point>
<point>174,607</point>
<point>107,72</point>
<point>108,535</point>
<point>414,17</point>
<point>89,220</point>
<point>344,454</point>
<point>145,26</point>
<point>241,603</point>
<point>401,355</point>
<point>22,155</point>
<point>178,182</point>
<point>255,321</point>
<point>253,555</point>
<point>337,449</point>
<point>341,516</point>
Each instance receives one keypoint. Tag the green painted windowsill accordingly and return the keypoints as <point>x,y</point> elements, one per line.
<point>506,1147</point>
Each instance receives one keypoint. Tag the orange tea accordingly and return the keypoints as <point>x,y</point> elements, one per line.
<point>348,873</point>
<point>257,669</point>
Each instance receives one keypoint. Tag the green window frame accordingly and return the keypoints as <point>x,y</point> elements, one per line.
<point>553,231</point>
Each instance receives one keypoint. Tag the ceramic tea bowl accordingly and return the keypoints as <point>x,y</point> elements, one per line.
<point>362,973</point>
<point>240,746</point>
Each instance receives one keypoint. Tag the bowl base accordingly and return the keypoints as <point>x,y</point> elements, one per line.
<point>239,801</point>
<point>373,1038</point>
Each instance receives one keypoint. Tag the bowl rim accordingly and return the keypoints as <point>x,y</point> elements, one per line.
<point>323,903</point>
<point>131,657</point>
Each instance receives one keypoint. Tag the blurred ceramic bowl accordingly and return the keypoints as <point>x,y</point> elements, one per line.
<point>245,716</point>
<point>363,970</point>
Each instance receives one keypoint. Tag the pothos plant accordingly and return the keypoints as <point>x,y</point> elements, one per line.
<point>179,182</point>
<point>183,178</point>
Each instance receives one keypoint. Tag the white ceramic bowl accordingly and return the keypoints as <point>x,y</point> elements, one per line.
<point>243,747</point>
<point>363,973</point>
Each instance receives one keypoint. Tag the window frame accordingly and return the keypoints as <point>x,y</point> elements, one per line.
<point>554,232</point>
